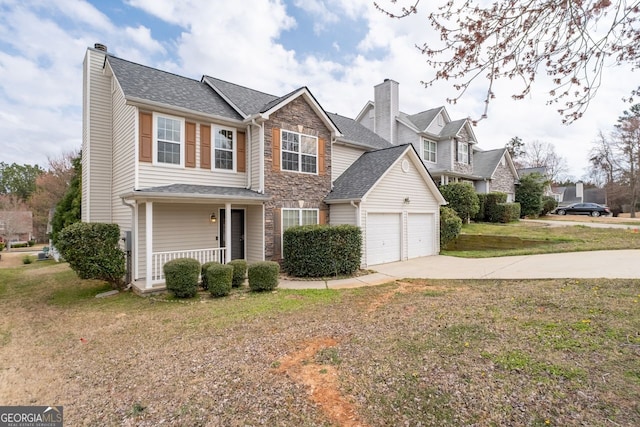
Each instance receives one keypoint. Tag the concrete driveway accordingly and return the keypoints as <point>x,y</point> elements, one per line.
<point>619,264</point>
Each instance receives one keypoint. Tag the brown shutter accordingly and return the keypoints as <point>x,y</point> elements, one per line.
<point>190,145</point>
<point>242,152</point>
<point>146,137</point>
<point>205,146</point>
<point>321,170</point>
<point>275,149</point>
<point>277,235</point>
<point>322,217</point>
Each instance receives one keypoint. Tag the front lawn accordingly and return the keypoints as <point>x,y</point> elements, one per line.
<point>419,352</point>
<point>554,239</point>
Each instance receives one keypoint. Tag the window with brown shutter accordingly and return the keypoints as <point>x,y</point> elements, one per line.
<point>205,146</point>
<point>242,152</point>
<point>146,137</point>
<point>190,145</point>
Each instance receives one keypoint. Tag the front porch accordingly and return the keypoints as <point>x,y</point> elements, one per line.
<point>201,227</point>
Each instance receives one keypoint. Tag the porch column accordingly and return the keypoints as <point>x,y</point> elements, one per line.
<point>227,231</point>
<point>149,244</point>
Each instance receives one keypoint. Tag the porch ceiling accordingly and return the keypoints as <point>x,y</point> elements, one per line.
<point>195,193</point>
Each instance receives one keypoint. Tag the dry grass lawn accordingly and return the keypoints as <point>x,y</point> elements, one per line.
<point>416,352</point>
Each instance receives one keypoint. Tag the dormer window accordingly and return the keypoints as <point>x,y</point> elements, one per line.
<point>463,152</point>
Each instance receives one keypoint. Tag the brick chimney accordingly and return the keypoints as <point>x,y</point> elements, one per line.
<point>386,110</point>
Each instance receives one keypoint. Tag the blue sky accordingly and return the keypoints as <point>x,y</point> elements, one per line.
<point>339,49</point>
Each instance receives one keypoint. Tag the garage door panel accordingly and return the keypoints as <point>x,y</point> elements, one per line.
<point>383,238</point>
<point>420,235</point>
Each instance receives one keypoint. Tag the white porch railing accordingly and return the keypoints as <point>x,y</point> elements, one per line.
<point>159,259</point>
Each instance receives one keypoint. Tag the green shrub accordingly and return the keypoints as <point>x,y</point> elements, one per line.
<point>482,203</point>
<point>239,271</point>
<point>322,250</point>
<point>181,277</point>
<point>19,245</point>
<point>31,243</point>
<point>548,204</point>
<point>1,246</point>
<point>27,259</point>
<point>219,279</point>
<point>529,194</point>
<point>491,212</point>
<point>203,276</point>
<point>93,251</point>
<point>507,212</point>
<point>263,275</point>
<point>450,225</point>
<point>462,198</point>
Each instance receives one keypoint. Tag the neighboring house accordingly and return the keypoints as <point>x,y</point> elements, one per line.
<point>590,195</point>
<point>447,147</point>
<point>216,171</point>
<point>16,226</point>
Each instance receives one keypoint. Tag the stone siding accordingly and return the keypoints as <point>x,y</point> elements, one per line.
<point>503,180</point>
<point>462,167</point>
<point>286,188</point>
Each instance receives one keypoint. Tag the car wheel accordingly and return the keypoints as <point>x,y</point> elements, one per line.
<point>595,213</point>
<point>561,212</point>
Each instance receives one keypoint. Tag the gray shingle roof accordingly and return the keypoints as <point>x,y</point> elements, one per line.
<point>150,84</point>
<point>249,101</point>
<point>359,178</point>
<point>189,190</point>
<point>486,162</point>
<point>354,132</point>
<point>451,129</point>
<point>423,119</point>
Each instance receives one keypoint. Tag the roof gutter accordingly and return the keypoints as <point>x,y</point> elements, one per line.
<point>139,102</point>
<point>151,195</point>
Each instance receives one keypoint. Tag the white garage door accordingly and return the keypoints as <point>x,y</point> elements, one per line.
<point>421,229</point>
<point>383,238</point>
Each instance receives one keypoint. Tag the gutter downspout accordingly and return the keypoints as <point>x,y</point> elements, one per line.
<point>358,219</point>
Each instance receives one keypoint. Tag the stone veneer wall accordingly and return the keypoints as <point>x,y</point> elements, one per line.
<point>503,180</point>
<point>285,188</point>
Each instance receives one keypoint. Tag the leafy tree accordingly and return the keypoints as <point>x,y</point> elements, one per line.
<point>462,198</point>
<point>569,41</point>
<point>628,143</point>
<point>450,225</point>
<point>515,147</point>
<point>529,194</point>
<point>18,180</point>
<point>543,154</point>
<point>68,210</point>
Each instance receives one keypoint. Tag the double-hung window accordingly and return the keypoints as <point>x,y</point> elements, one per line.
<point>463,152</point>
<point>169,134</point>
<point>299,152</point>
<point>223,151</point>
<point>293,217</point>
<point>429,150</point>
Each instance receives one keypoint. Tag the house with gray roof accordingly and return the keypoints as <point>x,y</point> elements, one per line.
<point>215,171</point>
<point>448,148</point>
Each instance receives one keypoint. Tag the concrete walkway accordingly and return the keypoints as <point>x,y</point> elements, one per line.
<point>619,264</point>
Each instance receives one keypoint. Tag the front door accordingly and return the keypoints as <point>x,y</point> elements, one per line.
<point>237,232</point>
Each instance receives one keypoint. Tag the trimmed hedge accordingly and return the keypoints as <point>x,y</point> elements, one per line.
<point>219,279</point>
<point>491,212</point>
<point>181,276</point>
<point>263,276</point>
<point>507,212</point>
<point>322,250</point>
<point>548,204</point>
<point>482,203</point>
<point>450,225</point>
<point>92,249</point>
<point>203,276</point>
<point>239,271</point>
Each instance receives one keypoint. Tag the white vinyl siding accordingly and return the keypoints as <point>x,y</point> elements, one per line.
<point>97,143</point>
<point>341,158</point>
<point>343,213</point>
<point>254,234</point>
<point>124,157</point>
<point>152,176</point>
<point>254,146</point>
